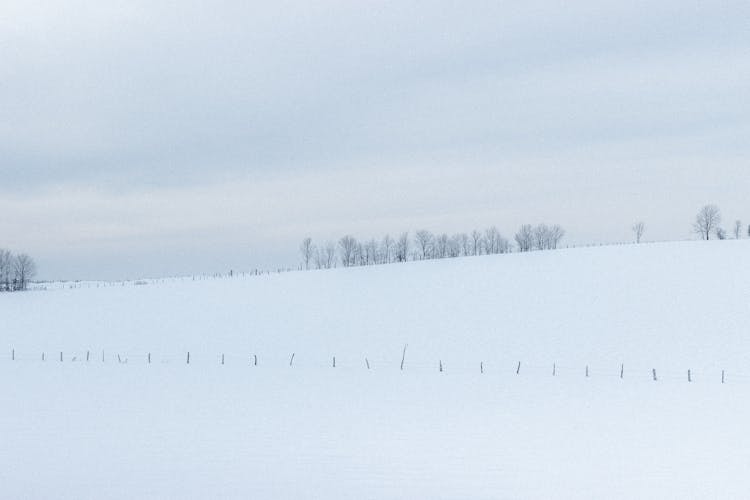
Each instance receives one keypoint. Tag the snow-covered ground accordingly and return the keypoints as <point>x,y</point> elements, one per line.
<point>168,429</point>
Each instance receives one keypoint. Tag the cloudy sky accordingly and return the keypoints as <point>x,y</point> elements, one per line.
<point>153,138</point>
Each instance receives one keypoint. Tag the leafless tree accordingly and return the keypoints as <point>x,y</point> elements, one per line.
<point>371,252</point>
<point>737,229</point>
<point>541,237</point>
<point>424,241</point>
<point>440,248</point>
<point>476,242</point>
<point>463,241</point>
<point>707,221</point>
<point>525,238</point>
<point>307,249</point>
<point>325,256</point>
<point>556,234</point>
<point>493,242</point>
<point>386,249</point>
<point>319,259</point>
<point>402,247</point>
<point>24,270</point>
<point>455,247</point>
<point>638,229</point>
<point>348,250</point>
<point>720,233</point>
<point>491,235</point>
<point>6,269</point>
<point>359,255</point>
<point>329,254</point>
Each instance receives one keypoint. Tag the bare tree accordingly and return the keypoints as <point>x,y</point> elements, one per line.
<point>491,235</point>
<point>476,243</point>
<point>307,249</point>
<point>525,238</point>
<point>639,228</point>
<point>707,221</point>
<point>386,249</point>
<point>325,256</point>
<point>6,269</point>
<point>540,237</point>
<point>319,259</point>
<point>454,246</point>
<point>463,241</point>
<point>371,252</point>
<point>493,242</point>
<point>424,241</point>
<point>556,234</point>
<point>720,233</point>
<point>359,255</point>
<point>24,270</point>
<point>440,248</point>
<point>329,254</point>
<point>348,250</point>
<point>737,229</point>
<point>402,247</point>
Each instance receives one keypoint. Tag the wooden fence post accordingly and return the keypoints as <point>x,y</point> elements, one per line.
<point>622,369</point>
<point>653,373</point>
<point>689,378</point>
<point>367,362</point>
<point>403,356</point>
<point>518,368</point>
<point>291,360</point>
<point>722,376</point>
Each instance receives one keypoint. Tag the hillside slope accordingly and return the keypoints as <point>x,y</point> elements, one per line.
<point>129,429</point>
<point>674,306</point>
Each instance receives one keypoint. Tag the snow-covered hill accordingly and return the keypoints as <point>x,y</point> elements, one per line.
<point>168,429</point>
<point>672,306</point>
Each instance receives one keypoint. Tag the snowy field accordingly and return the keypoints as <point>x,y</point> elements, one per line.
<point>168,429</point>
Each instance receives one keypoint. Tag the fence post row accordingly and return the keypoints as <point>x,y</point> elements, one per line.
<point>441,368</point>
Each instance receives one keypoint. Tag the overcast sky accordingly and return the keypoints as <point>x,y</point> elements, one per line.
<point>154,138</point>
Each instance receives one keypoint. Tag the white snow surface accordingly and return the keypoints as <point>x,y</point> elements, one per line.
<point>168,429</point>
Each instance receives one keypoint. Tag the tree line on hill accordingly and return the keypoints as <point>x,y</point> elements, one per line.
<point>708,223</point>
<point>16,271</point>
<point>424,245</point>
<point>348,251</point>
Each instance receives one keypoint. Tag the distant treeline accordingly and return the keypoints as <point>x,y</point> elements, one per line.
<point>15,271</point>
<point>425,245</point>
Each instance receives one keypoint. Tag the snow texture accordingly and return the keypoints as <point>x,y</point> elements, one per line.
<point>124,428</point>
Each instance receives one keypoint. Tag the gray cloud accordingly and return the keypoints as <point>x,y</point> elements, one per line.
<point>542,102</point>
